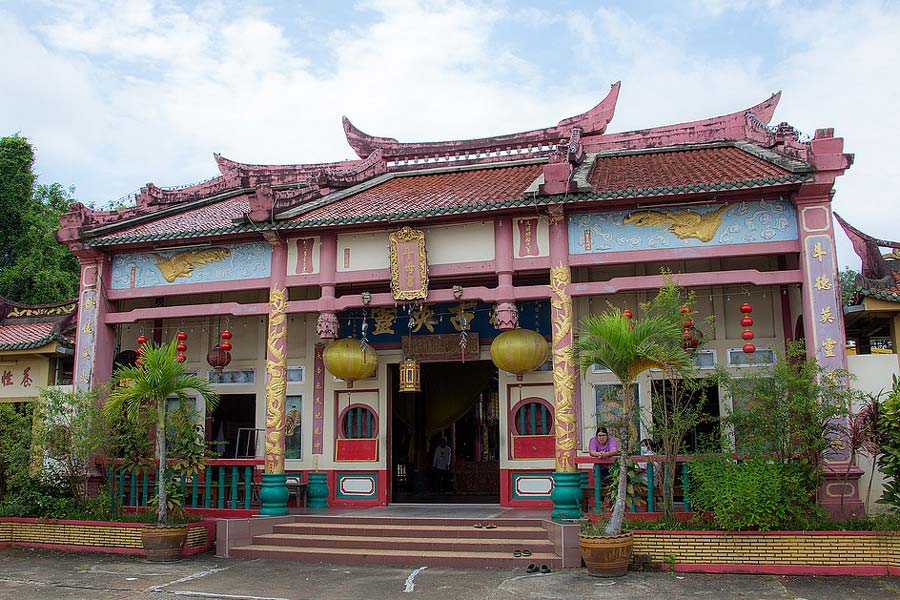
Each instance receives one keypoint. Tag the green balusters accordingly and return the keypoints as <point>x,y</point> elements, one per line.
<point>194,485</point>
<point>207,497</point>
<point>110,477</point>
<point>248,485</point>
<point>145,484</point>
<point>234,486</point>
<point>651,488</point>
<point>685,483</point>
<point>122,485</point>
<point>132,488</point>
<point>598,486</point>
<point>221,503</point>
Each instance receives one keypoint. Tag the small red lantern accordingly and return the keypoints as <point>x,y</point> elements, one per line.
<point>688,324</point>
<point>141,340</point>
<point>747,335</point>
<point>747,322</point>
<point>627,314</point>
<point>218,358</point>
<point>181,336</point>
<point>181,347</point>
<point>749,348</point>
<point>226,335</point>
<point>226,346</point>
<point>140,349</point>
<point>746,308</point>
<point>685,310</point>
<point>180,357</point>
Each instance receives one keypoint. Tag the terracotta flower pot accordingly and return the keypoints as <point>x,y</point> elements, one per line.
<point>606,556</point>
<point>163,543</point>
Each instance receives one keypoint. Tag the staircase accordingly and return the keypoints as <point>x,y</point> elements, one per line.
<point>410,542</point>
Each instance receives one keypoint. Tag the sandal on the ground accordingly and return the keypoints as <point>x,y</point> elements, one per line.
<point>532,568</point>
<point>477,525</point>
<point>526,552</point>
<point>517,553</point>
<point>545,569</point>
<point>490,526</point>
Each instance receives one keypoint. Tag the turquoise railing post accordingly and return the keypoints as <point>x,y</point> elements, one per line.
<point>145,485</point>
<point>111,487</point>
<point>651,485</point>
<point>532,417</point>
<point>234,486</point>
<point>221,502</point>
<point>207,497</point>
<point>248,485</point>
<point>132,488</point>
<point>122,485</point>
<point>598,486</point>
<point>685,483</point>
<point>194,485</point>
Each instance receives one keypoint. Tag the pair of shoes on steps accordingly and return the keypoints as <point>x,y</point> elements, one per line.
<point>521,553</point>
<point>485,526</point>
<point>543,569</point>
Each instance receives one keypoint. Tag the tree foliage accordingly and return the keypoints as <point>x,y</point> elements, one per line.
<point>34,267</point>
<point>628,347</point>
<point>151,383</point>
<point>889,460</point>
<point>848,286</point>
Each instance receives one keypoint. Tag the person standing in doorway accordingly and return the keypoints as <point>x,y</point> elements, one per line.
<point>441,468</point>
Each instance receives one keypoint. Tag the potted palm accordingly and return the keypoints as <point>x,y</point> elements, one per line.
<point>149,385</point>
<point>627,347</point>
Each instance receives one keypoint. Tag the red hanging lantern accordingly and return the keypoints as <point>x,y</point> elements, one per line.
<point>180,357</point>
<point>627,314</point>
<point>688,324</point>
<point>218,358</point>
<point>685,309</point>
<point>747,323</point>
<point>226,335</point>
<point>181,348</point>
<point>225,346</point>
<point>181,336</point>
<point>141,340</point>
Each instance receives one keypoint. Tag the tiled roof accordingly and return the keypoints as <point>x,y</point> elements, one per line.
<point>214,216</point>
<point>472,190</point>
<point>418,195</point>
<point>688,168</point>
<point>24,336</point>
<point>891,294</point>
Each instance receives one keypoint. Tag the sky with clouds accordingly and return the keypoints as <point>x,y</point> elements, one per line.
<point>116,94</point>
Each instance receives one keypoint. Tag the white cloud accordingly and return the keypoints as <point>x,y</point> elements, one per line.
<point>119,94</point>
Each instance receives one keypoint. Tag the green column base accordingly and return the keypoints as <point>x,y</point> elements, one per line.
<point>273,495</point>
<point>317,492</point>
<point>566,495</point>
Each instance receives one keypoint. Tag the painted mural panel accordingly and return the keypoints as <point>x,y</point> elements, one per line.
<point>683,227</point>
<point>228,262</point>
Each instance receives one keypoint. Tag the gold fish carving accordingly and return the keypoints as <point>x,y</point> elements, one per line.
<point>682,223</point>
<point>181,264</point>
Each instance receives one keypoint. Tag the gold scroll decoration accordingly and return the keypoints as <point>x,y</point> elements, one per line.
<point>409,264</point>
<point>181,264</point>
<point>682,223</point>
<point>563,369</point>
<point>276,385</point>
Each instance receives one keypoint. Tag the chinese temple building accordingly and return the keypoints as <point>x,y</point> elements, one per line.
<point>353,314</point>
<point>36,348</point>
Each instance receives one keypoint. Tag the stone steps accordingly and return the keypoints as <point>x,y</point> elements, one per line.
<point>404,542</point>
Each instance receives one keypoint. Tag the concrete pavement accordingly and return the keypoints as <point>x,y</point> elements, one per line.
<point>30,574</point>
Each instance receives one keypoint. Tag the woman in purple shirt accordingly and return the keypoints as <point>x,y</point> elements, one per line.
<point>603,445</point>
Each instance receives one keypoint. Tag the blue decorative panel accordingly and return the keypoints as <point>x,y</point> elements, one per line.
<point>683,227</point>
<point>228,262</point>
<point>357,485</point>
<point>388,324</point>
<point>531,486</point>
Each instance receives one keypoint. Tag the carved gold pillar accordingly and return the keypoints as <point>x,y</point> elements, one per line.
<point>273,494</point>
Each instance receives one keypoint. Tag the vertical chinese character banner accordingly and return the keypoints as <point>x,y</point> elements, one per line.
<point>409,265</point>
<point>87,324</point>
<point>824,303</point>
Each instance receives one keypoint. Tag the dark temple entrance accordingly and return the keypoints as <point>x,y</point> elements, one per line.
<point>458,403</point>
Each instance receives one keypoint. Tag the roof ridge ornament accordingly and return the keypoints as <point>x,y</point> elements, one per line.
<point>592,122</point>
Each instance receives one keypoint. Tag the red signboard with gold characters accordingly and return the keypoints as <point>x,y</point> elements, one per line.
<point>409,266</point>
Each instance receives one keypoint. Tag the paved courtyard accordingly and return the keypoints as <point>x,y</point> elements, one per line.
<point>27,574</point>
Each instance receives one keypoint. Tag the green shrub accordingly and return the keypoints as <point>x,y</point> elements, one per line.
<point>889,460</point>
<point>758,493</point>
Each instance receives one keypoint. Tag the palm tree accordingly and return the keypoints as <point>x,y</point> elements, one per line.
<point>156,378</point>
<point>628,348</point>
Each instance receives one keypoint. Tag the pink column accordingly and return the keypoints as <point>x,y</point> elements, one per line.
<point>95,341</point>
<point>327,325</point>
<point>506,312</point>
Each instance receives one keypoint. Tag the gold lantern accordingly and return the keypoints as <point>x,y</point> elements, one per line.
<point>410,375</point>
<point>346,359</point>
<point>519,351</point>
